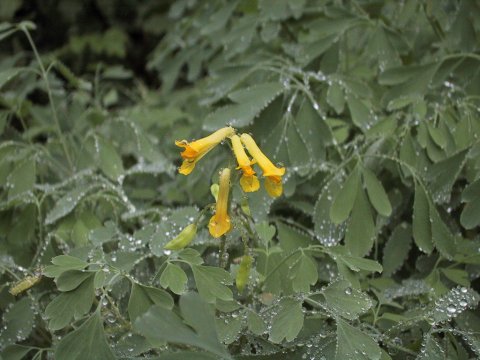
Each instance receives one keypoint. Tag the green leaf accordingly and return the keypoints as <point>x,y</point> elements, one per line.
<point>255,323</point>
<point>442,236</point>
<point>17,322</point>
<point>187,355</point>
<point>457,276</point>
<point>288,321</point>
<point>143,297</point>
<point>67,305</point>
<point>408,154</point>
<point>14,352</point>
<point>344,301</point>
<point>9,74</point>
<point>335,97</point>
<point>343,203</point>
<point>86,342</point>
<point>470,217</point>
<point>360,233</point>
<point>431,350</point>
<point>443,174</point>
<point>361,115</point>
<point>174,278</point>
<point>71,279</point>
<point>162,324</point>
<point>396,249</point>
<point>313,129</point>
<point>22,178</point>
<point>66,204</point>
<point>63,263</point>
<point>376,193</point>
<point>228,329</point>
<point>409,81</point>
<point>191,256</point>
<point>250,102</point>
<point>354,344</point>
<point>211,282</point>
<point>437,135</point>
<point>358,263</point>
<point>421,227</point>
<point>110,161</point>
<point>354,263</point>
<point>298,152</point>
<point>303,273</point>
<point>265,231</point>
<point>327,232</point>
<point>103,234</point>
<point>291,238</point>
<point>453,303</point>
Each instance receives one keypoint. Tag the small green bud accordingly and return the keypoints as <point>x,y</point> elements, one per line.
<point>245,207</point>
<point>243,272</point>
<point>183,239</point>
<point>214,189</point>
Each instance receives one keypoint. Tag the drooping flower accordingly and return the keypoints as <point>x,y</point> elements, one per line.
<point>197,149</point>
<point>273,175</point>
<point>220,222</point>
<point>249,180</point>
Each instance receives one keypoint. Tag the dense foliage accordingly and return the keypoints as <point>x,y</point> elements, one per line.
<point>371,251</point>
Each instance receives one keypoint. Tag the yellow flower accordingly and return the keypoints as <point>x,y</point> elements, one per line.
<point>220,222</point>
<point>273,175</point>
<point>195,150</point>
<point>249,180</point>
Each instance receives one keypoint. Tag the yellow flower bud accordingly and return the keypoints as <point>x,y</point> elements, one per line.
<point>220,222</point>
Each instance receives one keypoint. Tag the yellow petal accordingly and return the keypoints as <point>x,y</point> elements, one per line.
<point>219,225</point>
<point>274,186</point>
<point>249,183</point>
<point>195,150</point>
<point>187,167</point>
<point>267,166</point>
<point>220,222</point>
<point>239,151</point>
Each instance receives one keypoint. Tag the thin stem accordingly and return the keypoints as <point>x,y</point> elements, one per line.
<point>50,97</point>
<point>221,258</point>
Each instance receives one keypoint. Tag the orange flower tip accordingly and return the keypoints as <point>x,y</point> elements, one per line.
<point>219,227</point>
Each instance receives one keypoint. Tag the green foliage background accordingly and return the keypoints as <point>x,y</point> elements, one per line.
<point>371,253</point>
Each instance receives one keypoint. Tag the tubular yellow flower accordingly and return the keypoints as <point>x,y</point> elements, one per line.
<point>249,180</point>
<point>273,174</point>
<point>197,149</point>
<point>220,222</point>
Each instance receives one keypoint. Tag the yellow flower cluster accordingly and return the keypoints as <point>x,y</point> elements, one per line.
<point>197,149</point>
<point>193,151</point>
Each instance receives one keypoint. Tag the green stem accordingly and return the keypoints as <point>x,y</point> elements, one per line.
<point>221,255</point>
<point>50,98</point>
